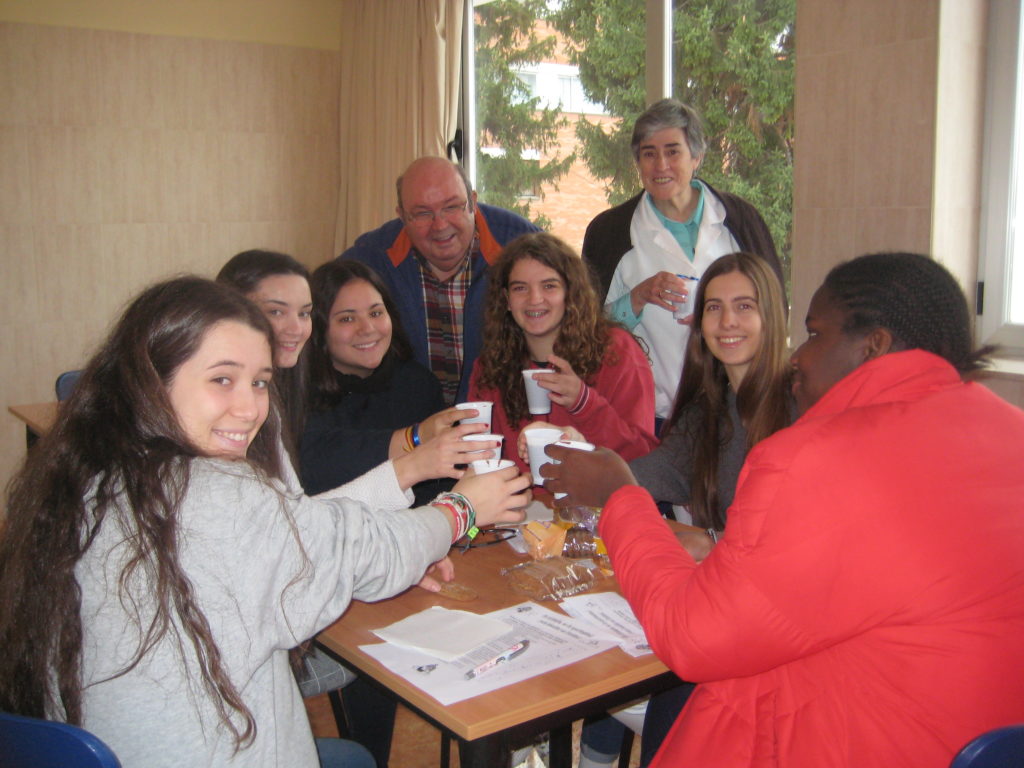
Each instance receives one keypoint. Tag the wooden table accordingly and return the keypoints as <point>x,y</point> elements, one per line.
<point>38,418</point>
<point>488,726</point>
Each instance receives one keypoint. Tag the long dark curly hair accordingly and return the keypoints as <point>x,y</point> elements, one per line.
<point>117,443</point>
<point>583,337</point>
<point>762,399</point>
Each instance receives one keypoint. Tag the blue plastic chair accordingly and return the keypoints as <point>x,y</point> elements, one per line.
<point>66,384</point>
<point>1000,748</point>
<point>26,742</point>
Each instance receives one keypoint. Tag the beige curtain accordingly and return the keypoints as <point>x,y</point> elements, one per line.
<point>400,72</point>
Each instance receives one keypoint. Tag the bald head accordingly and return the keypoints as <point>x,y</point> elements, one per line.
<point>436,202</point>
<point>431,168</point>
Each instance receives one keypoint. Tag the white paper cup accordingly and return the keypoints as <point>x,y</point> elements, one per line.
<point>579,446</point>
<point>484,437</point>
<point>484,416</point>
<point>536,396</point>
<point>684,308</point>
<point>536,440</point>
<point>483,466</point>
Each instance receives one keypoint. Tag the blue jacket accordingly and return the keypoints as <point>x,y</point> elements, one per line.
<point>388,251</point>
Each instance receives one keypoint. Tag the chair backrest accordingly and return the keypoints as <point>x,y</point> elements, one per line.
<point>26,742</point>
<point>1000,748</point>
<point>66,384</point>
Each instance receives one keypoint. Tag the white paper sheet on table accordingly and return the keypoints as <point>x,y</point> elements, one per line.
<point>611,617</point>
<point>442,632</point>
<point>555,641</point>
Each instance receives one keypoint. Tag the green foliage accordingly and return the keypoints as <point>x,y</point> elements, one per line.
<point>508,119</point>
<point>733,62</point>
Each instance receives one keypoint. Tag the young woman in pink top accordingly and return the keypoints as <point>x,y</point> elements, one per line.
<point>542,312</point>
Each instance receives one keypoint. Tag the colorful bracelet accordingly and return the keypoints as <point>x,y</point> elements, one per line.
<point>408,440</point>
<point>462,509</point>
<point>416,434</point>
<point>455,515</point>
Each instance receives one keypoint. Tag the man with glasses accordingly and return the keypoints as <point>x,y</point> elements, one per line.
<point>434,259</point>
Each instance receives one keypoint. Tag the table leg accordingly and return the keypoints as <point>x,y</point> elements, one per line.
<point>560,752</point>
<point>488,752</point>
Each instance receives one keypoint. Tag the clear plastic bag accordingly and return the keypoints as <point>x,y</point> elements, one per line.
<point>553,578</point>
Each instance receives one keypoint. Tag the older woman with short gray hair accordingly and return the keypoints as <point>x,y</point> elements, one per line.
<point>651,250</point>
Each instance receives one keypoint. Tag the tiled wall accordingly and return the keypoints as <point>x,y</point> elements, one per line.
<point>865,137</point>
<point>889,118</point>
<point>128,157</point>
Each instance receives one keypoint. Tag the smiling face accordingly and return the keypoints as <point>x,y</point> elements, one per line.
<point>536,299</point>
<point>358,329</point>
<point>666,168</point>
<point>286,301</point>
<point>221,395</point>
<point>828,354</point>
<point>731,323</point>
<point>438,214</point>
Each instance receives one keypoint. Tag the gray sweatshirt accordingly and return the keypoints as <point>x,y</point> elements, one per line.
<point>260,596</point>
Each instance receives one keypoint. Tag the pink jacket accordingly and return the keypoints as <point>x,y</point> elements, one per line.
<point>865,606</point>
<point>618,414</point>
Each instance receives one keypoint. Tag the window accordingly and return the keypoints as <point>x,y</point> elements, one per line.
<point>1001,267</point>
<point>556,85</point>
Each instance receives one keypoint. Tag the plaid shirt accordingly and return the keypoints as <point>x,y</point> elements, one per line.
<point>444,303</point>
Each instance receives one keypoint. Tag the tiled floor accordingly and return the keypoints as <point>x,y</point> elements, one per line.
<point>416,744</point>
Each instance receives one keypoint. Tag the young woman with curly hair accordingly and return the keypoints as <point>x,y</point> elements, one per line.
<point>543,312</point>
<point>154,570</point>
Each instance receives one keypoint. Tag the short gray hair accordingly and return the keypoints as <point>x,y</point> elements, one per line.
<point>670,113</point>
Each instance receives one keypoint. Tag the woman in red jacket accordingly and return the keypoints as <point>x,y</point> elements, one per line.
<point>542,312</point>
<point>865,606</point>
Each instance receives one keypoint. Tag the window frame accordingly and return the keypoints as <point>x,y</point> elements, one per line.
<point>1001,186</point>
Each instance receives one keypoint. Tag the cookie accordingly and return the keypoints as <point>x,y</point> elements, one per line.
<point>456,591</point>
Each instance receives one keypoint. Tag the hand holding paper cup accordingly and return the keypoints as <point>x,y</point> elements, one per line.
<point>536,441</point>
<point>568,433</point>
<point>588,478</point>
<point>537,398</point>
<point>483,409</point>
<point>484,437</point>
<point>483,466</point>
<point>684,308</point>
<point>578,445</point>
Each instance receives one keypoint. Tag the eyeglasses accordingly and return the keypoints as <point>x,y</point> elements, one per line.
<point>423,218</point>
<point>488,536</point>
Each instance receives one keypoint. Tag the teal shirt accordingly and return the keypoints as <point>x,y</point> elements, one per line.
<point>685,233</point>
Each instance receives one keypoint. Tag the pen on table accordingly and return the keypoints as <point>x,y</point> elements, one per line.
<point>506,655</point>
